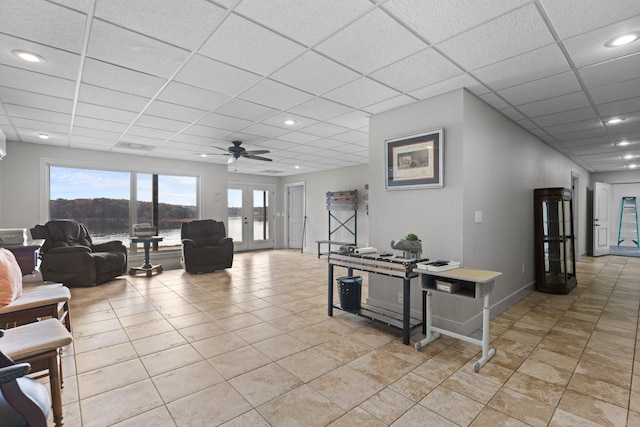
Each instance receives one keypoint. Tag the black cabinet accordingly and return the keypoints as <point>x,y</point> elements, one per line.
<point>554,240</point>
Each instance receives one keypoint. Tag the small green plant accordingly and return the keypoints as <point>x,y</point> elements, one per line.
<point>411,237</point>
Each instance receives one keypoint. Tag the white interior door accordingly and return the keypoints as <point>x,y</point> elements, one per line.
<point>601,219</point>
<point>251,216</point>
<point>295,216</point>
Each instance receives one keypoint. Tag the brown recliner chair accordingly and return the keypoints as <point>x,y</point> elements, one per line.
<point>70,257</point>
<point>205,246</point>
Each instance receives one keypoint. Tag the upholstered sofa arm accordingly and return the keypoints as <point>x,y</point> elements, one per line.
<point>189,242</point>
<point>111,246</point>
<point>64,250</point>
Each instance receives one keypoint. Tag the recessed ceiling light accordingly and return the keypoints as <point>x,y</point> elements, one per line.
<point>628,157</point>
<point>624,39</point>
<point>623,143</point>
<point>43,136</point>
<point>28,56</point>
<point>290,122</point>
<point>615,121</point>
<point>296,167</point>
<point>633,166</point>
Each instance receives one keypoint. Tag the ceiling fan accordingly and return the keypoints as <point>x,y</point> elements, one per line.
<point>236,151</point>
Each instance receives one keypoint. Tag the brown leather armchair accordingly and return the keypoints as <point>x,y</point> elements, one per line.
<point>205,246</point>
<point>70,257</point>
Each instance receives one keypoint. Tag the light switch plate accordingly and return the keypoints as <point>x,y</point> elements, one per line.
<point>478,216</point>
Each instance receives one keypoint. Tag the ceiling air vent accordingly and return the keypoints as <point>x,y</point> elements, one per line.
<point>271,172</point>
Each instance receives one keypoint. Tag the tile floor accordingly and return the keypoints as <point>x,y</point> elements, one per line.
<point>253,346</point>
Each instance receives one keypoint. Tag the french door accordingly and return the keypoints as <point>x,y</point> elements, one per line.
<point>251,212</point>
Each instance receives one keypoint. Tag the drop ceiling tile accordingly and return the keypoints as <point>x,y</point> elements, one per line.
<point>184,24</point>
<point>370,43</point>
<point>465,80</point>
<point>221,121</point>
<point>580,114</point>
<point>84,109</point>
<point>572,17</point>
<point>35,100</point>
<point>351,148</point>
<point>149,132</point>
<point>409,74</point>
<point>614,71</point>
<point>326,144</point>
<point>324,129</point>
<point>361,93</point>
<point>309,22</point>
<point>36,82</point>
<point>571,136</point>
<point>303,149</point>
<point>437,20</point>
<point>149,121</point>
<point>137,139</point>
<point>199,141</point>
<point>320,109</point>
<point>616,91</point>
<point>620,107</point>
<point>549,87</point>
<point>558,130</point>
<point>512,113</point>
<point>556,104</point>
<point>80,132</point>
<point>352,136</point>
<point>246,110</point>
<point>173,111</point>
<point>601,150</point>
<point>389,104</point>
<point>182,94</point>
<point>111,98</point>
<point>35,127</point>
<point>589,48</point>
<point>275,144</point>
<point>134,51</point>
<point>208,74</point>
<point>18,111</point>
<point>275,95</point>
<point>353,120</point>
<point>59,63</point>
<point>509,35</point>
<point>197,131</point>
<point>279,119</point>
<point>251,47</point>
<point>263,130</point>
<point>55,139</point>
<point>99,124</point>
<point>121,79</point>
<point>529,66</point>
<point>57,26</point>
<point>314,73</point>
<point>88,143</point>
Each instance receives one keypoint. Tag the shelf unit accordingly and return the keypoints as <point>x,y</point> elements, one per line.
<point>554,240</point>
<point>341,201</point>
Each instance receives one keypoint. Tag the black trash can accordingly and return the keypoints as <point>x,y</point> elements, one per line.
<point>350,292</point>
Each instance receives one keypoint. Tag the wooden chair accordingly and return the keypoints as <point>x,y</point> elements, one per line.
<point>42,302</point>
<point>39,345</point>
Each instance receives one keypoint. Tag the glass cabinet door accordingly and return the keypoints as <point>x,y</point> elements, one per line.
<point>555,263</point>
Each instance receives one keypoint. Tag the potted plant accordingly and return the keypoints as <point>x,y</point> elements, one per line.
<point>410,245</point>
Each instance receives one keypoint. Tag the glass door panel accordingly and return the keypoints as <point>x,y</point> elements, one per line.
<point>249,216</point>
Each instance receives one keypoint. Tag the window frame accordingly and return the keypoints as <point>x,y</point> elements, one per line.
<point>45,188</point>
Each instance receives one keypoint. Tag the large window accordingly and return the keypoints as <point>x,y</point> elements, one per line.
<point>108,203</point>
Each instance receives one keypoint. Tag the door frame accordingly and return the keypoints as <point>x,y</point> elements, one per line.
<point>287,210</point>
<point>247,189</point>
<point>597,220</point>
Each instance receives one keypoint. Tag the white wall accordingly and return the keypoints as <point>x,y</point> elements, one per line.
<point>316,186</point>
<point>491,165</point>
<point>623,184</point>
<point>22,176</point>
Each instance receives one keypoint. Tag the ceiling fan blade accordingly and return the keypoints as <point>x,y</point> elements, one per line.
<point>252,152</point>
<point>249,156</point>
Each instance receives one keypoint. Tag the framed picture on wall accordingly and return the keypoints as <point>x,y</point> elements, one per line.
<point>415,161</point>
